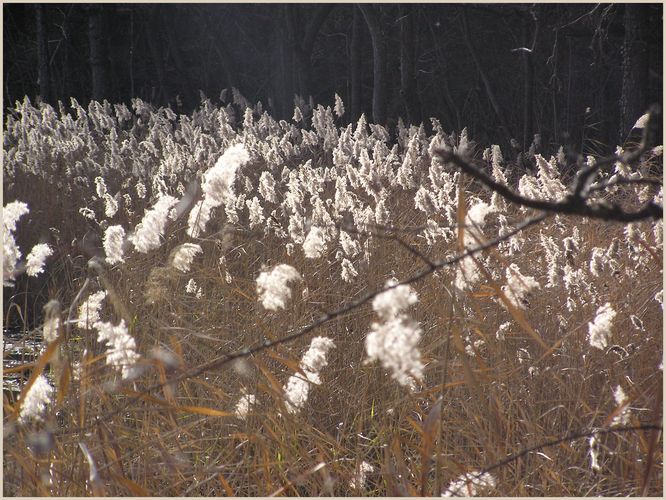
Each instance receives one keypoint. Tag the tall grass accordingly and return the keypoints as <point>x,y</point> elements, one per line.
<point>506,366</point>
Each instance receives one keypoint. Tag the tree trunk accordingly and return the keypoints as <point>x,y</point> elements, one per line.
<point>153,32</point>
<point>284,92</point>
<point>66,86</point>
<point>99,60</point>
<point>184,84</point>
<point>528,86</point>
<point>355,64</point>
<point>293,62</point>
<point>301,43</point>
<point>371,15</point>
<point>635,67</point>
<point>486,81</point>
<point>42,55</point>
<point>408,89</point>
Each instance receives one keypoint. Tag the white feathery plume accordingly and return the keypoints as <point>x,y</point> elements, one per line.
<point>315,243</point>
<point>218,188</point>
<point>114,238</point>
<point>359,479</point>
<point>297,388</point>
<point>621,400</point>
<point>150,230</point>
<point>256,212</point>
<point>243,406</point>
<point>121,347</point>
<point>599,330</point>
<point>273,286</point>
<point>183,255</point>
<point>36,258</point>
<point>349,273</point>
<point>89,310</point>
<point>11,213</point>
<point>36,400</point>
<point>394,341</point>
<point>518,286</point>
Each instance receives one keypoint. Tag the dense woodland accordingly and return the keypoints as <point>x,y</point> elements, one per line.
<point>575,74</point>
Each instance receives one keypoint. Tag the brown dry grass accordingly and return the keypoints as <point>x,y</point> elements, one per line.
<point>183,439</point>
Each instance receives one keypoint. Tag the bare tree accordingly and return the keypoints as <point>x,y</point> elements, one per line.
<point>43,71</point>
<point>355,63</point>
<point>408,87</point>
<point>153,33</point>
<point>99,61</point>
<point>635,66</point>
<point>371,15</point>
<point>484,77</point>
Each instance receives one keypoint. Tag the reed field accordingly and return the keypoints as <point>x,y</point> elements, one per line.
<point>229,305</point>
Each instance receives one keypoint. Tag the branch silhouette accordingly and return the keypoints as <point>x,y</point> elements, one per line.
<point>227,358</point>
<point>569,437</point>
<point>578,201</point>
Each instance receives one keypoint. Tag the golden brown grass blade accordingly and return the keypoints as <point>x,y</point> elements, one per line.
<point>404,486</point>
<point>415,425</point>
<point>225,484</point>
<point>291,364</point>
<point>300,478</point>
<point>202,410</point>
<point>50,351</point>
<point>243,294</point>
<point>167,389</point>
<point>135,489</point>
<point>428,438</point>
<point>460,215</point>
<point>18,369</point>
<point>515,312</point>
<point>65,378</point>
<point>30,472</point>
<point>275,385</point>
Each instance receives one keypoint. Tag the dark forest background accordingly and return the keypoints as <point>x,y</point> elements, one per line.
<point>575,74</point>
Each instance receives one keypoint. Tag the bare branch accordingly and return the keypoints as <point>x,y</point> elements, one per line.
<point>227,358</point>
<point>576,203</point>
<point>623,181</point>
<point>569,437</point>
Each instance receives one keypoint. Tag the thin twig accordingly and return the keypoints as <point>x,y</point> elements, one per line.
<point>391,236</point>
<point>623,181</point>
<point>569,437</point>
<point>227,358</point>
<point>574,204</point>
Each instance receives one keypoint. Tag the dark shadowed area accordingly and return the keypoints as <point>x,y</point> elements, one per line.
<point>577,74</point>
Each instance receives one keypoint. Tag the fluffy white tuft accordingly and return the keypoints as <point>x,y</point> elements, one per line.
<point>89,310</point>
<point>184,255</point>
<point>150,230</point>
<point>315,243</point>
<point>11,213</point>
<point>394,341</point>
<point>121,347</point>
<point>114,238</point>
<point>272,286</point>
<point>36,258</point>
<point>36,400</point>
<point>599,330</point>
<point>518,286</point>
<point>390,303</point>
<point>297,389</point>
